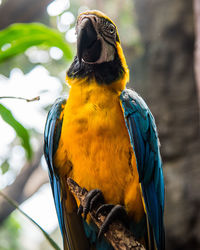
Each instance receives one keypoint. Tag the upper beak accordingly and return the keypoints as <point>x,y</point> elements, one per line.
<point>86,36</point>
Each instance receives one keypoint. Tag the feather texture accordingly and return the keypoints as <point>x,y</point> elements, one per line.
<point>144,139</point>
<point>50,146</point>
<point>70,223</point>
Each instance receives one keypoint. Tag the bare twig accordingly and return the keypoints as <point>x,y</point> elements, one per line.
<point>119,237</point>
<point>37,98</point>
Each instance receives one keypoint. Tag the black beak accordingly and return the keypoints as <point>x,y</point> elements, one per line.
<point>86,42</point>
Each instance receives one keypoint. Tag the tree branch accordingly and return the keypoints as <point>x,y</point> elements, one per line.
<point>119,237</point>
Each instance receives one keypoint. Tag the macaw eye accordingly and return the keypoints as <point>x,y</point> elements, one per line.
<point>111,28</point>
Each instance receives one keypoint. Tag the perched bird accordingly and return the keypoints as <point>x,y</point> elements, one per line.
<point>104,137</point>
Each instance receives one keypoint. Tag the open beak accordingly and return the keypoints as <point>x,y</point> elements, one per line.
<point>88,47</point>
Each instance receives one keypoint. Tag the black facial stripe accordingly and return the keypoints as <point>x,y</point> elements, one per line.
<point>107,34</point>
<point>108,41</point>
<point>105,24</point>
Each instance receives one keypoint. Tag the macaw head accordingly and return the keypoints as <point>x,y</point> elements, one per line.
<point>97,38</point>
<point>99,51</point>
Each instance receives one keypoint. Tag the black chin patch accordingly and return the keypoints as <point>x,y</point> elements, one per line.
<point>92,54</point>
<point>104,73</point>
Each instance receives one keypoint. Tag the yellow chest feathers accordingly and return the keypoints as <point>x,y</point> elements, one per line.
<point>94,147</point>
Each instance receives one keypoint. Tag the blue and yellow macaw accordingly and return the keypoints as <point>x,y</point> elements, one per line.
<point>104,137</point>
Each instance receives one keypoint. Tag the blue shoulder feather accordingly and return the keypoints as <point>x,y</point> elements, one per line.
<point>144,139</point>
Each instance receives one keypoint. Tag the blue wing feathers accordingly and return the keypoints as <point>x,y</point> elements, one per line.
<point>49,135</point>
<point>144,139</point>
<point>138,145</point>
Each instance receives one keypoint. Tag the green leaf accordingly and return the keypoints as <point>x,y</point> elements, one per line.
<point>22,132</point>
<point>4,167</point>
<point>17,38</point>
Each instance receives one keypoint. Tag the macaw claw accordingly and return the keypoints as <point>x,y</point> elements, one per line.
<point>93,198</point>
<point>116,212</point>
<point>104,209</point>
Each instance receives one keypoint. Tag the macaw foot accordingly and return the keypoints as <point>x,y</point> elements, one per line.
<point>94,198</point>
<point>113,212</point>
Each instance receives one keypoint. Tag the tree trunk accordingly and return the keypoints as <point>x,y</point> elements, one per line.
<point>164,76</point>
<point>197,44</point>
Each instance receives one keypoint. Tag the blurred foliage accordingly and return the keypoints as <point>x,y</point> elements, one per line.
<point>9,234</point>
<point>14,41</point>
<point>4,166</point>
<point>17,38</point>
<point>46,235</point>
<point>20,130</point>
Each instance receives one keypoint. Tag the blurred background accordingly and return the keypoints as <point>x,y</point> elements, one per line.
<point>161,42</point>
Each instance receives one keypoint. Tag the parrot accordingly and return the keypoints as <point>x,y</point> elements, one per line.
<point>104,137</point>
